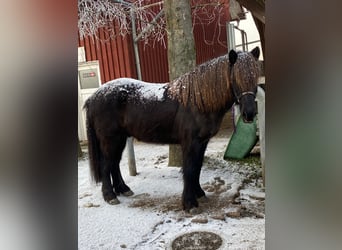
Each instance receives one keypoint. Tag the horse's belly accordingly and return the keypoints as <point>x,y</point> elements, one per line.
<point>154,133</point>
<point>162,138</point>
<point>156,126</point>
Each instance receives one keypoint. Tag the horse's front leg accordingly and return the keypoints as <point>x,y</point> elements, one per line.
<point>192,163</point>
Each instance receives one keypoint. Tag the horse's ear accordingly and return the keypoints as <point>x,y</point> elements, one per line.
<point>256,52</point>
<point>232,57</point>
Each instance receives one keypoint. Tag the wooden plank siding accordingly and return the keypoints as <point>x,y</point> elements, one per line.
<point>206,47</point>
<point>211,38</point>
<point>116,56</point>
<point>153,63</point>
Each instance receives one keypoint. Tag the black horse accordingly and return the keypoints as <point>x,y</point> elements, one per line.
<point>187,111</point>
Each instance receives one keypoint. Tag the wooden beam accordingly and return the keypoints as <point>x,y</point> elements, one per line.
<point>257,8</point>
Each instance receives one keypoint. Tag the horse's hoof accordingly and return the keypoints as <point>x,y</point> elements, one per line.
<point>203,199</point>
<point>195,210</point>
<point>114,201</point>
<point>128,193</point>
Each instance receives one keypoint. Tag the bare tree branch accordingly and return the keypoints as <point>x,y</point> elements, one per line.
<point>114,17</point>
<point>150,25</point>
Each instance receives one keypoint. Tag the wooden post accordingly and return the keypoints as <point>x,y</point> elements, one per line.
<point>261,119</point>
<point>80,153</point>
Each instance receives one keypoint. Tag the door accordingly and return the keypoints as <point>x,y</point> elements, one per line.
<point>89,81</point>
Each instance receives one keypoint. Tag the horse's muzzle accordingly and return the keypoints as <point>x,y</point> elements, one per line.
<point>247,120</point>
<point>248,108</point>
<point>248,115</point>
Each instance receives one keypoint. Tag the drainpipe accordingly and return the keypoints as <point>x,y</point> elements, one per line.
<point>130,148</point>
<point>135,46</point>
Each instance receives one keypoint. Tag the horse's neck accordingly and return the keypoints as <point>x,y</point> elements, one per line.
<point>208,87</point>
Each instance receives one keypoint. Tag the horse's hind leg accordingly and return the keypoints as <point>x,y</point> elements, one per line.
<point>120,186</point>
<point>112,147</point>
<point>107,188</point>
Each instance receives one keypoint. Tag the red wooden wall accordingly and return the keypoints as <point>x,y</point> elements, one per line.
<point>116,56</point>
<point>211,38</point>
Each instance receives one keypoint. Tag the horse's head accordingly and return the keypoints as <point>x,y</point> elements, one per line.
<point>244,75</point>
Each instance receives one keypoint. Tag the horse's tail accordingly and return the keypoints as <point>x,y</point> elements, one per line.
<point>94,150</point>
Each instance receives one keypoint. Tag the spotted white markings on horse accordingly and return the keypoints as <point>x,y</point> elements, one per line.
<point>246,60</point>
<point>152,91</point>
<point>246,69</point>
<point>134,88</point>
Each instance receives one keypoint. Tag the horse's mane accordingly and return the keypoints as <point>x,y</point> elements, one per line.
<point>206,88</point>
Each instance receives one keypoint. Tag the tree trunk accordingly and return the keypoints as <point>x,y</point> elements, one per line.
<point>181,51</point>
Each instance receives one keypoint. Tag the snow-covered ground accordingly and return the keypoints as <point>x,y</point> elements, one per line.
<point>153,218</point>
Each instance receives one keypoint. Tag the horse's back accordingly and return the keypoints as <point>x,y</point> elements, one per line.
<point>134,107</point>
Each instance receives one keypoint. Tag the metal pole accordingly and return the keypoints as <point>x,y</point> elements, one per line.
<point>135,46</point>
<point>243,40</point>
<point>131,157</point>
<point>230,36</point>
<point>246,41</point>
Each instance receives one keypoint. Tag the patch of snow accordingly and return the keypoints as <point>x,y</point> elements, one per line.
<point>105,226</point>
<point>152,91</point>
<point>143,90</point>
